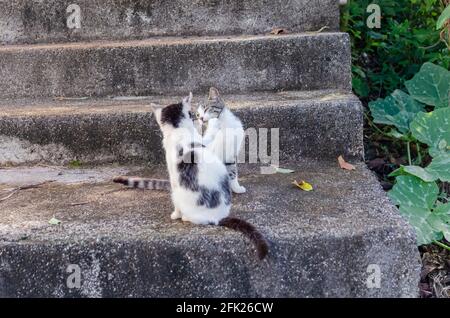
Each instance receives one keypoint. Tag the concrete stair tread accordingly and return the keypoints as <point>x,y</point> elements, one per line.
<point>159,41</point>
<point>272,203</point>
<point>173,65</point>
<point>126,104</point>
<point>317,124</point>
<point>36,21</point>
<point>346,222</point>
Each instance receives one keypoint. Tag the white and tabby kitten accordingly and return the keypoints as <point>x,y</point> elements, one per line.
<point>224,134</point>
<point>199,180</point>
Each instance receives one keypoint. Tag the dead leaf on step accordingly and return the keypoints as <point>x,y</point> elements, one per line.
<point>345,165</point>
<point>305,186</point>
<point>278,31</point>
<point>54,221</point>
<point>282,170</point>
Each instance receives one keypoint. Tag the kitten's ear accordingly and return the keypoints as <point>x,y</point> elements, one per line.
<point>188,99</point>
<point>187,102</point>
<point>214,93</point>
<point>157,112</point>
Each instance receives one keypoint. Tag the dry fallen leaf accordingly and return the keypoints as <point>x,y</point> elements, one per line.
<point>345,165</point>
<point>278,31</point>
<point>282,170</point>
<point>54,221</point>
<point>305,186</point>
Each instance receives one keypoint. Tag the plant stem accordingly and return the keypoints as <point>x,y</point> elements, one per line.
<point>442,245</point>
<point>371,124</point>
<point>419,155</point>
<point>408,148</point>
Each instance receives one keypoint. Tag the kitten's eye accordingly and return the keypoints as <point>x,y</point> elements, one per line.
<point>197,115</point>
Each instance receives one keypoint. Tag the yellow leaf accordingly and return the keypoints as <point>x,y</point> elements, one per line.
<point>305,186</point>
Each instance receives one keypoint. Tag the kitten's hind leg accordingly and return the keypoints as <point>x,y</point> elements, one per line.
<point>176,214</point>
<point>234,183</point>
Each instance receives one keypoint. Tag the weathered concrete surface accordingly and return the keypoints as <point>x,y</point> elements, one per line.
<point>317,124</point>
<point>177,65</point>
<point>27,21</point>
<point>321,242</point>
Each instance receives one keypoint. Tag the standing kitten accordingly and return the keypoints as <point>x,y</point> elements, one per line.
<point>224,134</point>
<point>199,180</point>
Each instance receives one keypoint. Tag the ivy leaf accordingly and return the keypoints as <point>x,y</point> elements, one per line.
<point>443,18</point>
<point>398,110</point>
<point>431,85</point>
<point>416,200</point>
<point>433,129</point>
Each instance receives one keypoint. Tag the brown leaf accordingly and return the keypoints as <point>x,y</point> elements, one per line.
<point>345,165</point>
<point>278,31</point>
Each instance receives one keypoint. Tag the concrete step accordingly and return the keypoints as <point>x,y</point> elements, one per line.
<point>174,65</point>
<point>315,124</point>
<point>324,243</point>
<point>28,21</point>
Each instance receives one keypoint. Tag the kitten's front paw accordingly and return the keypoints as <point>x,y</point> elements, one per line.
<point>175,215</point>
<point>184,219</point>
<point>239,189</point>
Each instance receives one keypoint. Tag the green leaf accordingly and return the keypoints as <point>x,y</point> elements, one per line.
<point>444,17</point>
<point>418,218</point>
<point>416,200</point>
<point>398,110</point>
<point>433,129</point>
<point>54,221</point>
<point>395,134</point>
<point>430,86</point>
<point>360,86</point>
<point>443,209</point>
<point>416,171</point>
<point>410,191</point>
<point>440,167</point>
<point>282,170</point>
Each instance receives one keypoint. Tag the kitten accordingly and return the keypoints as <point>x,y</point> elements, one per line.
<point>199,180</point>
<point>224,134</point>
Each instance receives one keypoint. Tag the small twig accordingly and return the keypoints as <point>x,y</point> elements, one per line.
<point>80,203</point>
<point>25,187</point>
<point>8,196</point>
<point>33,186</point>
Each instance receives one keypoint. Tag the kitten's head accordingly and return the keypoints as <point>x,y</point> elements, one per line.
<point>212,108</point>
<point>175,116</point>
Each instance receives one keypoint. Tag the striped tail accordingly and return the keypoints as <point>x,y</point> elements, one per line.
<point>262,247</point>
<point>143,183</point>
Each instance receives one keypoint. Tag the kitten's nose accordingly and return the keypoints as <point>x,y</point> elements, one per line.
<point>201,118</point>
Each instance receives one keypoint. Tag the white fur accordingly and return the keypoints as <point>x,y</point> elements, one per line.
<point>224,137</point>
<point>211,171</point>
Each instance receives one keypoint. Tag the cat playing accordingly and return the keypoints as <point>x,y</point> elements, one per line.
<point>224,134</point>
<point>199,180</point>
